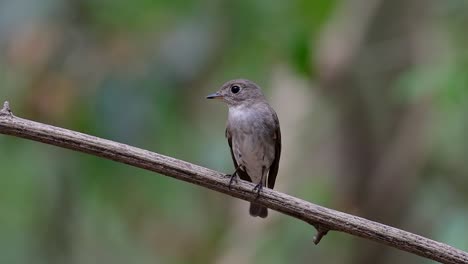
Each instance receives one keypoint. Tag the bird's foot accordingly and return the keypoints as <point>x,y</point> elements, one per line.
<point>233,178</point>
<point>258,188</point>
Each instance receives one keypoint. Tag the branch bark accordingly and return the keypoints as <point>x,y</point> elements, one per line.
<point>322,218</point>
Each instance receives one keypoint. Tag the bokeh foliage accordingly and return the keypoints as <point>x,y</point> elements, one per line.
<point>137,72</point>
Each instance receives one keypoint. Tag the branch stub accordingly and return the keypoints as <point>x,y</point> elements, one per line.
<point>6,109</point>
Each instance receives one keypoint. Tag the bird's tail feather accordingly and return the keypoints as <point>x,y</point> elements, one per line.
<point>258,210</point>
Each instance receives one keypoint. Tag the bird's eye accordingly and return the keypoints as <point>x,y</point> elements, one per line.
<point>235,89</point>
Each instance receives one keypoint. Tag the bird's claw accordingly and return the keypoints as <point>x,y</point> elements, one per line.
<point>258,188</point>
<point>233,178</point>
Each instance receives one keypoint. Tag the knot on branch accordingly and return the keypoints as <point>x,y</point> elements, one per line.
<point>6,109</point>
<point>321,232</point>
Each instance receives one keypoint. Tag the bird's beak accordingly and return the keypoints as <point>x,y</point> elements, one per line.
<point>214,96</point>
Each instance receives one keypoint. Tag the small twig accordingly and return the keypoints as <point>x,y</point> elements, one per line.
<point>323,218</point>
<point>321,232</point>
<point>6,109</point>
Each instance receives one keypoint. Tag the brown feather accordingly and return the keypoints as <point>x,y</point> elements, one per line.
<point>275,165</point>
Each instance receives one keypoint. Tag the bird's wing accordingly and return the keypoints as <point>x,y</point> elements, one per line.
<point>242,174</point>
<point>275,165</point>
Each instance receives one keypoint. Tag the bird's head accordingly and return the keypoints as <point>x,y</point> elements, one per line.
<point>238,92</point>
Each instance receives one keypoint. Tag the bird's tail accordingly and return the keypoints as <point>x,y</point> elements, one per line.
<point>258,210</point>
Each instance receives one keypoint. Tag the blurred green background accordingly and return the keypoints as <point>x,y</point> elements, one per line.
<point>372,97</point>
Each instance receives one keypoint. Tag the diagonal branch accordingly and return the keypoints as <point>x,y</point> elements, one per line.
<point>322,218</point>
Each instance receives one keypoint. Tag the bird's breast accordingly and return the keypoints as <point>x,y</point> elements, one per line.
<point>252,141</point>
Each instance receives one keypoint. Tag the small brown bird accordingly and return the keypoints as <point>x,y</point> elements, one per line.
<point>254,136</point>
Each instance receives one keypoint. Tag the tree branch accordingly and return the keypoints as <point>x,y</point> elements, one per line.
<point>322,218</point>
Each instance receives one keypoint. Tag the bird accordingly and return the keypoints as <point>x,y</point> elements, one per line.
<point>254,136</point>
